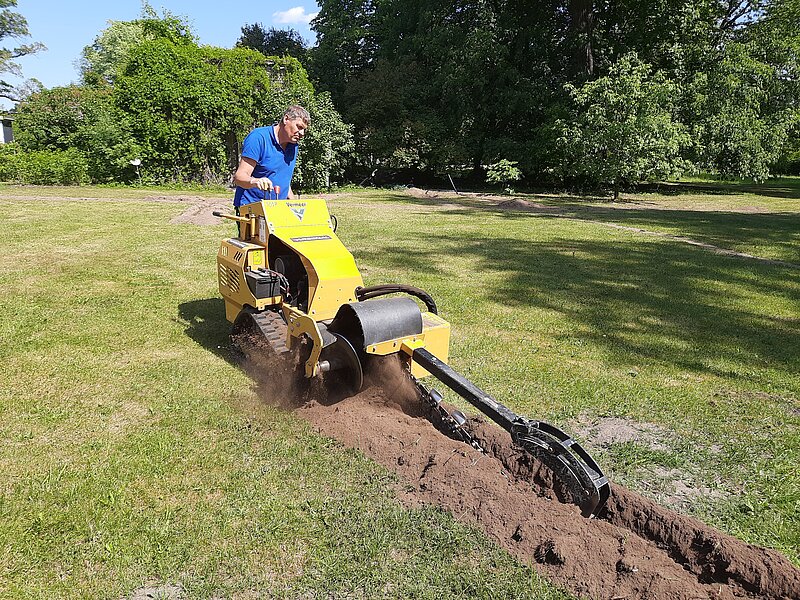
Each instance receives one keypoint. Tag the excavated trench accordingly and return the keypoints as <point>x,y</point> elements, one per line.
<point>636,549</point>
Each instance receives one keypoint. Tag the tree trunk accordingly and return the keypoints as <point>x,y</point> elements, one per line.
<point>581,14</point>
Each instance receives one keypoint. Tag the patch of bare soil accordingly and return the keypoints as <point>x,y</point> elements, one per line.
<point>179,199</point>
<point>200,210</point>
<point>614,430</point>
<point>158,592</point>
<point>637,549</point>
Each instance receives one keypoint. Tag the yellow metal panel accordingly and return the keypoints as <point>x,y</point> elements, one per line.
<point>435,338</point>
<point>298,324</point>
<point>232,260</point>
<point>437,341</point>
<point>305,227</point>
<point>232,310</point>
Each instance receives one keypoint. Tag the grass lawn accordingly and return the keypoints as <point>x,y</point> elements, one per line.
<point>134,454</point>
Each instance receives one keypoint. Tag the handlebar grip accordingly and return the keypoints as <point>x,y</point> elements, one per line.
<point>275,190</point>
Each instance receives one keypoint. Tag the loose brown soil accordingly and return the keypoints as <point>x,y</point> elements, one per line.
<point>636,549</point>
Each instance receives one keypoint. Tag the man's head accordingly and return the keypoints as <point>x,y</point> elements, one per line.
<point>295,121</point>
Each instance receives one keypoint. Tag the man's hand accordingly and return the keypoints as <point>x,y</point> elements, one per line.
<point>262,183</point>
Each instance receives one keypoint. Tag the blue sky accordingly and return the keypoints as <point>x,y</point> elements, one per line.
<point>66,27</point>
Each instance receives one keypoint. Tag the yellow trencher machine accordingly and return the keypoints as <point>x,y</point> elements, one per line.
<point>293,291</point>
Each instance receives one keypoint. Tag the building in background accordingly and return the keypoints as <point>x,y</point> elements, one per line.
<point>6,131</point>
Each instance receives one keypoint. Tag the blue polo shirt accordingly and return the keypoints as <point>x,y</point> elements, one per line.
<point>272,161</point>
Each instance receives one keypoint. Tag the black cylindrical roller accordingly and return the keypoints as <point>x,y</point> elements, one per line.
<point>374,321</point>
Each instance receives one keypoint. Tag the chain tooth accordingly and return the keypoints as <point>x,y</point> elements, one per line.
<point>439,412</point>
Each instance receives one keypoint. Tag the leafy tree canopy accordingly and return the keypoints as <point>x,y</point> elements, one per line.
<point>438,86</point>
<point>100,61</point>
<point>620,129</point>
<point>14,25</point>
<point>273,42</point>
<point>190,107</point>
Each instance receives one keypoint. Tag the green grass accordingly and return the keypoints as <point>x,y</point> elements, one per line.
<point>761,220</point>
<point>135,453</point>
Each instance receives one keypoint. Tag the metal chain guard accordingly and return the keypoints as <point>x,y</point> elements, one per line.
<point>578,478</point>
<point>575,470</point>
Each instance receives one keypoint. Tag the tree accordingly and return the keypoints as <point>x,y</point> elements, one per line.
<point>433,86</point>
<point>326,147</point>
<point>14,25</point>
<point>581,25</point>
<point>273,42</point>
<point>620,129</point>
<point>345,43</point>
<point>503,172</point>
<point>110,49</point>
<point>190,107</point>
<point>738,129</point>
<point>100,61</point>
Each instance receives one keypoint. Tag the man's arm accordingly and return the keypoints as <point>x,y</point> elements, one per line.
<point>244,176</point>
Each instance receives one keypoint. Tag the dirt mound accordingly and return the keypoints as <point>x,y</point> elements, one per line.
<point>638,549</point>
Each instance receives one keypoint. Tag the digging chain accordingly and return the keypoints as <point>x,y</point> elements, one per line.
<point>452,423</point>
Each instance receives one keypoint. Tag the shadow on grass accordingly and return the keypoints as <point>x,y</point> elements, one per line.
<point>780,187</point>
<point>727,229</point>
<point>663,302</point>
<point>206,325</point>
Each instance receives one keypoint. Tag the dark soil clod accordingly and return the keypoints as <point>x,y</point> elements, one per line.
<point>548,553</point>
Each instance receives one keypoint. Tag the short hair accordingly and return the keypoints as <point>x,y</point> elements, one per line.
<point>295,111</point>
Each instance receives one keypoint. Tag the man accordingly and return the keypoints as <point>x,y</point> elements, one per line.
<point>268,158</point>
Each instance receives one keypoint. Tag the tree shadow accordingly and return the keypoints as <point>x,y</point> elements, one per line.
<point>670,304</point>
<point>727,229</point>
<point>779,187</point>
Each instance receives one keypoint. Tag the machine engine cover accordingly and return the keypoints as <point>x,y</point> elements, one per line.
<point>375,321</point>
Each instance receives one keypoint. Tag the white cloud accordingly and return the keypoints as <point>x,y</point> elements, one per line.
<point>294,15</point>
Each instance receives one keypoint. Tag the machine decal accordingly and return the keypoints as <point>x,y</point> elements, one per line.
<point>311,238</point>
<point>297,208</point>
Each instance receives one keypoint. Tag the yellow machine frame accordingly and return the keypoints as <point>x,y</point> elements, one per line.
<point>307,229</point>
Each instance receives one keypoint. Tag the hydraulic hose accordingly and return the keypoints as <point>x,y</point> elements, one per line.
<point>367,293</point>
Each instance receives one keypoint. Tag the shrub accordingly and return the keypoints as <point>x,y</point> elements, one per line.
<point>190,107</point>
<point>620,129</point>
<point>43,167</point>
<point>79,118</point>
<point>503,172</point>
<point>326,147</point>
